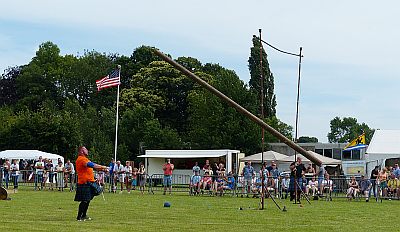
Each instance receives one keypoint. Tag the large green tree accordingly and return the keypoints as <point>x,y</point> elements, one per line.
<point>255,68</point>
<point>346,129</point>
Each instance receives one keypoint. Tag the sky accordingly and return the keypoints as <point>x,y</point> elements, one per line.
<point>350,48</point>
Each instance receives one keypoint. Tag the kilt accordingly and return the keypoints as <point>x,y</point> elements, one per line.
<point>83,193</point>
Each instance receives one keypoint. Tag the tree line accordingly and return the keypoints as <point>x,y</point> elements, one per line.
<point>52,104</point>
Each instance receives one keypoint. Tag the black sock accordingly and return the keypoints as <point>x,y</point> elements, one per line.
<point>85,209</point>
<point>81,209</point>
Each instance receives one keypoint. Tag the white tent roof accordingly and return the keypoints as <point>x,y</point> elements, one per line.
<point>385,144</point>
<point>28,154</point>
<point>186,153</point>
<point>268,156</point>
<point>325,160</point>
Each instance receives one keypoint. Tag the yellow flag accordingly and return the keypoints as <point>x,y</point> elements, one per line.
<point>359,140</point>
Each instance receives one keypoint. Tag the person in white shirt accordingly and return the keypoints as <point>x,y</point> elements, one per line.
<point>39,167</point>
<point>14,168</point>
<point>312,186</point>
<point>128,176</point>
<point>120,173</point>
<point>69,175</point>
<point>285,185</point>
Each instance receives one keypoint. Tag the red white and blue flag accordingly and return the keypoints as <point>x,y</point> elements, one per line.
<point>112,79</point>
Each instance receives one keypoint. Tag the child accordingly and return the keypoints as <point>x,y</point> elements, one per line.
<point>134,178</point>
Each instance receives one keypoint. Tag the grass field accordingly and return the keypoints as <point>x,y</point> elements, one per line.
<point>56,211</point>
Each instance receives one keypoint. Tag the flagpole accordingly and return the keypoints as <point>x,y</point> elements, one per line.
<point>116,118</point>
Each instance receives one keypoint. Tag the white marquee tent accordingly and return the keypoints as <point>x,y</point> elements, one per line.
<point>29,154</point>
<point>385,144</point>
<point>325,160</point>
<point>268,156</point>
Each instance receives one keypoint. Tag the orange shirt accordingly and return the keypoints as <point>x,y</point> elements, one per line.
<point>85,174</point>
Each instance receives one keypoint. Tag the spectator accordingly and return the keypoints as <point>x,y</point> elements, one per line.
<point>111,168</point>
<point>14,168</point>
<point>48,174</point>
<point>310,170</point>
<point>120,174</point>
<point>214,169</point>
<point>382,177</point>
<point>39,167</point>
<point>275,175</point>
<point>312,186</point>
<point>365,186</point>
<point>100,175</point>
<point>374,176</point>
<point>128,176</point>
<point>219,184</point>
<point>195,183</point>
<point>396,171</point>
<point>221,169</point>
<point>134,178</point>
<point>327,185</point>
<point>206,166</point>
<point>6,171</point>
<point>248,174</point>
<point>353,189</point>
<point>321,174</point>
<point>168,168</point>
<point>196,169</point>
<point>142,177</point>
<point>206,182</point>
<point>69,175</point>
<point>285,185</point>
<point>60,176</point>
<point>394,185</point>
<point>230,182</point>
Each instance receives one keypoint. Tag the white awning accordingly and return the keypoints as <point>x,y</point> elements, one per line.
<point>268,156</point>
<point>181,154</point>
<point>28,154</point>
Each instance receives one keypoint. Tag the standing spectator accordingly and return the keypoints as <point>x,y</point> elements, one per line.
<point>275,175</point>
<point>310,170</point>
<point>196,169</point>
<point>365,186</point>
<point>142,177</point>
<point>382,177</point>
<point>321,174</point>
<point>100,178</point>
<point>168,168</point>
<point>374,176</point>
<point>60,176</point>
<point>396,171</point>
<point>285,185</point>
<point>84,194</point>
<point>206,166</point>
<point>214,169</point>
<point>128,176</point>
<point>221,169</point>
<point>120,173</point>
<point>14,168</point>
<point>111,168</point>
<point>49,167</point>
<point>6,171</point>
<point>45,172</point>
<point>134,178</point>
<point>248,174</point>
<point>39,167</point>
<point>69,175</point>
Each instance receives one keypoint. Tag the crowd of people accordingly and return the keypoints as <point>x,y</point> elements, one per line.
<point>42,172</point>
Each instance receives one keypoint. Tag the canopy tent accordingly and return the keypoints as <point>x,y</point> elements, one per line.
<point>385,144</point>
<point>268,156</point>
<point>325,160</point>
<point>29,154</point>
<point>182,154</point>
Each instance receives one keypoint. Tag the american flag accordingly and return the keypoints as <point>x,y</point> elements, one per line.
<point>112,79</point>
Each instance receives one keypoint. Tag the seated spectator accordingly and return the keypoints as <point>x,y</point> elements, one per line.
<point>285,185</point>
<point>394,185</point>
<point>327,185</point>
<point>312,186</point>
<point>256,186</point>
<point>219,184</point>
<point>206,182</point>
<point>353,189</point>
<point>230,182</point>
<point>365,186</point>
<point>195,181</point>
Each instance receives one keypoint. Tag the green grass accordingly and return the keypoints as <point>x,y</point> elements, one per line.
<point>56,211</point>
